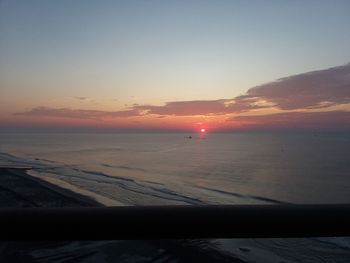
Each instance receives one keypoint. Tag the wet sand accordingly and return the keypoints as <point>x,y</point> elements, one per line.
<point>18,189</point>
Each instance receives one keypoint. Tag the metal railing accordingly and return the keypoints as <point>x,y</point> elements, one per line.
<point>174,222</point>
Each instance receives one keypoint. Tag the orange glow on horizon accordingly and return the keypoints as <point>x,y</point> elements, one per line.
<point>181,123</point>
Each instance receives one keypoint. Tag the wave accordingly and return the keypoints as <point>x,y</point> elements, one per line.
<point>95,178</point>
<point>124,167</point>
<point>245,196</point>
<point>9,159</point>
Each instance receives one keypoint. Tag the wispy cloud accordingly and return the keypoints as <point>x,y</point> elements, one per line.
<point>77,113</point>
<point>80,98</point>
<point>317,89</point>
<point>186,108</point>
<point>295,120</point>
<point>204,107</point>
<point>313,90</point>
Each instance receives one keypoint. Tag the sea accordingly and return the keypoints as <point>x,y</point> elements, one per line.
<point>206,168</point>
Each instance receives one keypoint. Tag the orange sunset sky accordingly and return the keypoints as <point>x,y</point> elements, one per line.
<point>174,65</point>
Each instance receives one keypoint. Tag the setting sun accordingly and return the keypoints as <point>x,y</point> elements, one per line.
<point>202,130</point>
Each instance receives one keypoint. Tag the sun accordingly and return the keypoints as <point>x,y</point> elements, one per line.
<point>202,130</point>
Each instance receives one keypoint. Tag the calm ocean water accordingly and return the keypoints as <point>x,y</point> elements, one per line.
<point>137,169</point>
<point>240,168</point>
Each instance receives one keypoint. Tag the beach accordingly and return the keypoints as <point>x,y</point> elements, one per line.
<point>18,189</point>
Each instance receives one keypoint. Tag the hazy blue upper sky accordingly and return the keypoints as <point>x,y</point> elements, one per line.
<point>152,52</point>
<point>166,50</point>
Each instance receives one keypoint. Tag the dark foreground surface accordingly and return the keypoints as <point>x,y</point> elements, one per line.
<point>20,190</point>
<point>175,222</point>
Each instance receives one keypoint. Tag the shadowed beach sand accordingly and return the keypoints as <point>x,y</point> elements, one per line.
<point>18,189</point>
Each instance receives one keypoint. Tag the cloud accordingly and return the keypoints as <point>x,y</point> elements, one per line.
<point>77,113</point>
<point>292,120</point>
<point>317,89</point>
<point>312,90</point>
<point>203,107</point>
<point>80,98</point>
<point>186,108</point>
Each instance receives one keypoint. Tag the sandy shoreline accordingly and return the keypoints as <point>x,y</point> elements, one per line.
<point>19,189</point>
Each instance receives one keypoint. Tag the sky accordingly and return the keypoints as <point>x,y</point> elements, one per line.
<point>174,65</point>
